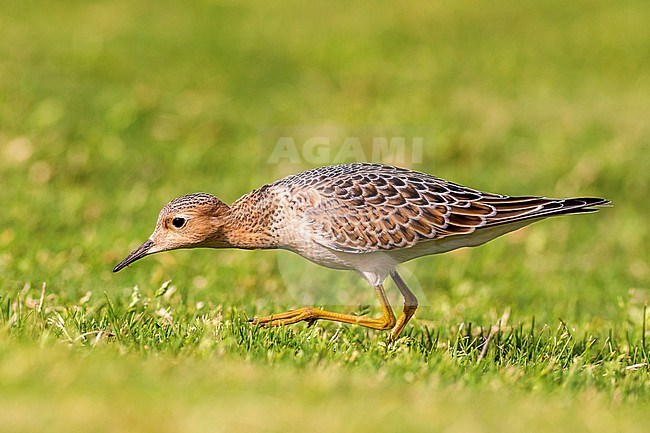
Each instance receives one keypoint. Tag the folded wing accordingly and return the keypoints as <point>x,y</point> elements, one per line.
<point>388,208</point>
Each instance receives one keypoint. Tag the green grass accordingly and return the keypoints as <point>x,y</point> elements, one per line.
<point>109,109</point>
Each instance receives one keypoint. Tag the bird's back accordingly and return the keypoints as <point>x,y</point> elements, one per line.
<point>362,208</point>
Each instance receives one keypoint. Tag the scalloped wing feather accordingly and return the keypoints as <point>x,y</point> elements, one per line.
<point>361,208</point>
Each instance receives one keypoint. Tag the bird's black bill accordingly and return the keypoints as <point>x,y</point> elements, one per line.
<point>137,254</point>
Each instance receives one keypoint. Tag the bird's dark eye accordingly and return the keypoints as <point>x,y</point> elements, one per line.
<point>179,222</point>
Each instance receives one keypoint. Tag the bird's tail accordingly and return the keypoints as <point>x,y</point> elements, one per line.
<point>514,209</point>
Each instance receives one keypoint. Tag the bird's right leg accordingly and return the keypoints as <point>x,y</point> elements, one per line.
<point>410,305</point>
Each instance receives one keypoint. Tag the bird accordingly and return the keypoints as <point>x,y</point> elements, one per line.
<point>364,217</point>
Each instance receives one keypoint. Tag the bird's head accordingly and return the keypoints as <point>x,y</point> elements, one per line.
<point>191,221</point>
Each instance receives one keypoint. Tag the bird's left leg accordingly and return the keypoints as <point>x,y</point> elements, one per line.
<point>310,315</point>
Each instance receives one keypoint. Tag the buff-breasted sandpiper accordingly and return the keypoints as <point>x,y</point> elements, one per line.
<point>363,217</point>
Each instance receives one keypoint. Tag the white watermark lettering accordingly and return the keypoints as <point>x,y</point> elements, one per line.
<point>321,149</point>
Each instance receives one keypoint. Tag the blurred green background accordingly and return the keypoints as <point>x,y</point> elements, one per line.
<point>108,109</point>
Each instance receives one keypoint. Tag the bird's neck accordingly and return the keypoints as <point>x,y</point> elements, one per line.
<point>248,223</point>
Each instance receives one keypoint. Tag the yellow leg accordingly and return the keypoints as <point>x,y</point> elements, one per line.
<point>410,305</point>
<point>309,314</point>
